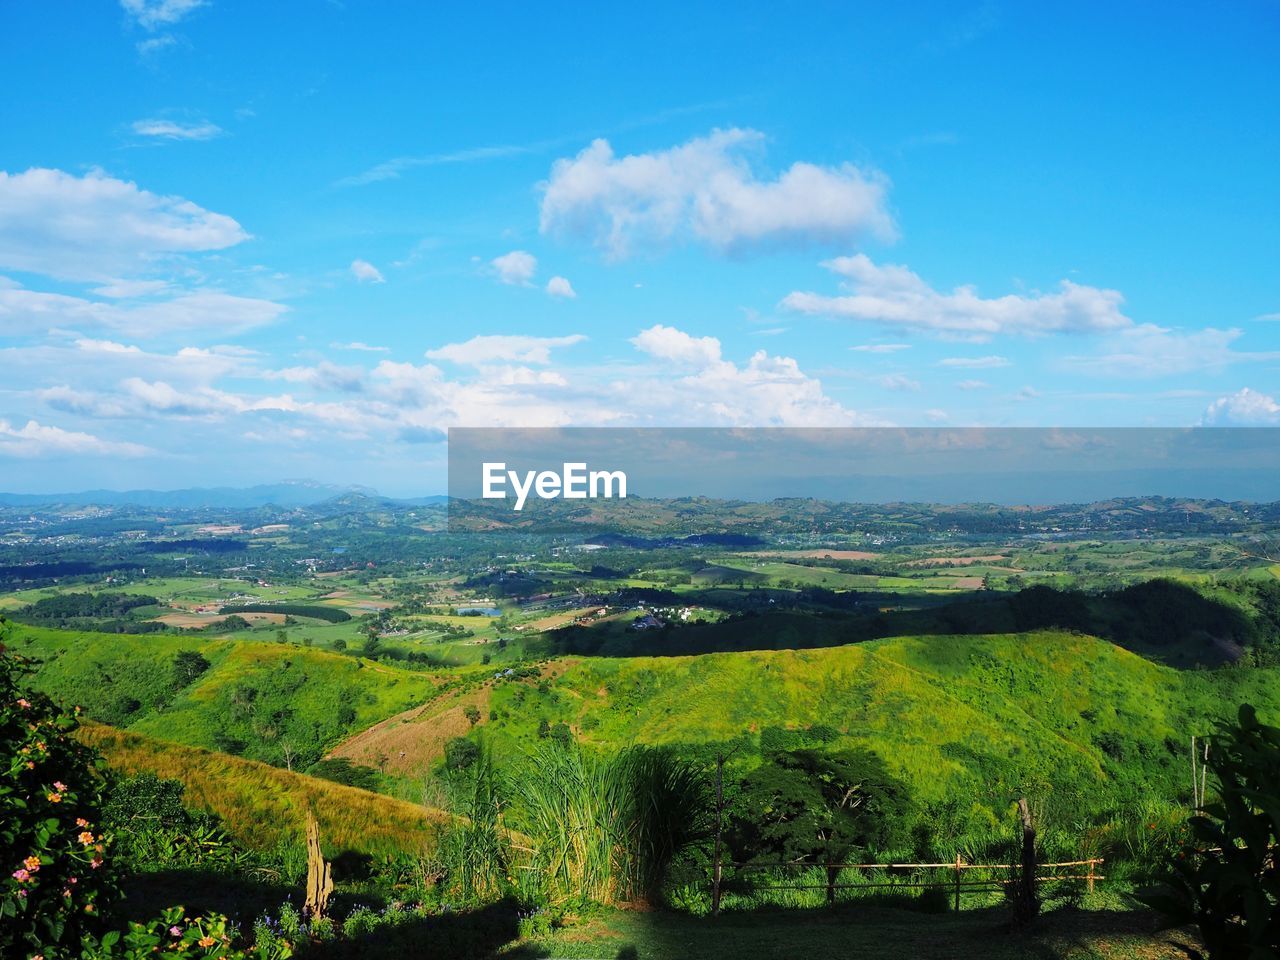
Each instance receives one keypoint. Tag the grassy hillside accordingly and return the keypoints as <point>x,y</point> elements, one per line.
<point>967,721</point>
<point>972,717</point>
<point>263,806</point>
<point>266,701</point>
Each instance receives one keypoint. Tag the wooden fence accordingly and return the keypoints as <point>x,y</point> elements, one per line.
<point>1086,870</point>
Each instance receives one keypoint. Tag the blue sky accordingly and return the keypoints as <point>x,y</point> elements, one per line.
<point>242,242</point>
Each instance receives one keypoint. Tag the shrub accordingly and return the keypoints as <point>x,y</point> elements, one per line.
<point>55,882</point>
<point>1226,880</point>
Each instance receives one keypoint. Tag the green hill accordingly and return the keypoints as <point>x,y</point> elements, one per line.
<point>276,702</point>
<point>966,721</point>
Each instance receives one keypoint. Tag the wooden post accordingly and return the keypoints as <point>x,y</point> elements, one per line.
<point>957,883</point>
<point>1026,904</point>
<point>1092,861</point>
<point>319,873</point>
<point>715,859</point>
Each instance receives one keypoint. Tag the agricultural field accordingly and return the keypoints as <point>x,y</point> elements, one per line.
<point>446,706</point>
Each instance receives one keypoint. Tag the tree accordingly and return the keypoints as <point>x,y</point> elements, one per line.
<point>188,665</point>
<point>1226,879</point>
<point>808,806</point>
<point>460,753</point>
<point>472,713</point>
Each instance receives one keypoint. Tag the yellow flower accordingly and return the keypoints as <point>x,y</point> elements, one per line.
<point>86,838</point>
<point>206,941</point>
<point>32,863</point>
<point>54,797</point>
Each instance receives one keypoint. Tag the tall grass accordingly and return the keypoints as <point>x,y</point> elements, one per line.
<point>606,828</point>
<point>475,850</point>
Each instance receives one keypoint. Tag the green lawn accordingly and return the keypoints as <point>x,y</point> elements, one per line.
<point>865,933</point>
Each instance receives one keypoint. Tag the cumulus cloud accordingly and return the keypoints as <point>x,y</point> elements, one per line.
<point>1245,407</point>
<point>366,272</point>
<point>174,130</point>
<point>895,296</point>
<point>560,287</point>
<point>516,268</point>
<point>706,190</point>
<point>487,349</point>
<point>153,14</point>
<point>98,228</point>
<point>37,441</point>
<point>668,343</point>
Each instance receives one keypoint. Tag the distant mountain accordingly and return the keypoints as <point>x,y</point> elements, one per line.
<point>289,493</point>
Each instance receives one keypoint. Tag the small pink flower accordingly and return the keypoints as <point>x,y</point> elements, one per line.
<point>73,880</point>
<point>32,863</point>
<point>22,875</point>
<point>96,862</point>
<point>81,822</point>
<point>59,786</point>
<point>24,703</point>
<point>175,931</point>
<point>22,894</point>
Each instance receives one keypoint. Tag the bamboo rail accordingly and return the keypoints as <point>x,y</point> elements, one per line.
<point>957,884</point>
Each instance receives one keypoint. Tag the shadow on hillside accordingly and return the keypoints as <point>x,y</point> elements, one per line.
<point>1163,620</point>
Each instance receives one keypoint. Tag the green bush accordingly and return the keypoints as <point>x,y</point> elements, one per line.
<point>1226,880</point>
<point>52,843</point>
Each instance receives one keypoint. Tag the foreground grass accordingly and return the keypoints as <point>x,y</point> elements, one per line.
<point>264,807</point>
<point>867,933</point>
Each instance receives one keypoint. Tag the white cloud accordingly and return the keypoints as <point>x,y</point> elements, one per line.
<point>124,289</point>
<point>706,190</point>
<point>153,14</point>
<point>487,349</point>
<point>668,343</point>
<point>766,391</point>
<point>1027,393</point>
<point>560,287</point>
<point>27,312</point>
<point>516,268</point>
<point>323,376</point>
<point>366,272</point>
<point>880,347</point>
<point>173,130</point>
<point>38,441</point>
<point>896,297</point>
<point>975,363</point>
<point>1245,407</point>
<point>359,346</point>
<point>973,384</point>
<point>897,381</point>
<point>1147,350</point>
<point>99,228</point>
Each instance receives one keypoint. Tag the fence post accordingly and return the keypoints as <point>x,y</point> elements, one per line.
<point>1092,861</point>
<point>957,883</point>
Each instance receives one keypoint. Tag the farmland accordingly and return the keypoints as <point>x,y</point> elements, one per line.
<point>358,661</point>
